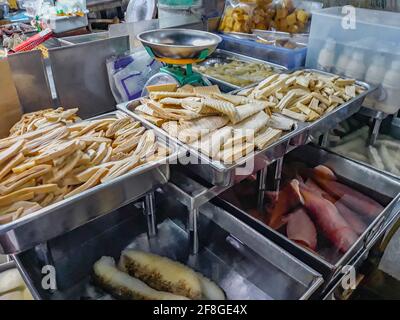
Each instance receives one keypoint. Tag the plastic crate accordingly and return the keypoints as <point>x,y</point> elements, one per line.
<point>289,58</point>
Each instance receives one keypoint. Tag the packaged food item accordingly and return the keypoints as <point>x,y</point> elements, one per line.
<point>237,16</point>
<point>293,16</point>
<point>262,15</point>
<point>281,15</point>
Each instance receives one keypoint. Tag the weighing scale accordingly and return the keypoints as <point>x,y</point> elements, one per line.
<point>178,49</point>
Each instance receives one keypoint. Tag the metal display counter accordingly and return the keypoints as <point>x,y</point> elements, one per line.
<point>174,210</point>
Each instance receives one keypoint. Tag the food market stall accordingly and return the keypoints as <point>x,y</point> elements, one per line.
<point>216,174</point>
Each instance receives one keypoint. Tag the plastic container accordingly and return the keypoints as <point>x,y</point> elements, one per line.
<point>289,58</point>
<point>237,17</point>
<point>370,31</point>
<point>368,34</point>
<point>389,101</point>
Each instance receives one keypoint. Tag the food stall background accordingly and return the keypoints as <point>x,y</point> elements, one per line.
<point>74,74</point>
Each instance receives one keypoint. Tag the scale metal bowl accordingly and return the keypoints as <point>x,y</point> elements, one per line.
<point>179,46</point>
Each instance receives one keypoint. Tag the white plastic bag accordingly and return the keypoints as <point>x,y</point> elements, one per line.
<point>129,73</point>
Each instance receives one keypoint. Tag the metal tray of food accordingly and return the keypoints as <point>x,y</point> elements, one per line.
<point>218,174</point>
<point>380,137</point>
<point>344,111</point>
<point>309,131</point>
<point>215,172</point>
<point>68,214</point>
<point>242,262</point>
<point>369,181</point>
<point>224,56</point>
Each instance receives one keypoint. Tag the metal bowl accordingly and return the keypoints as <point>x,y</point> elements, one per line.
<point>179,43</point>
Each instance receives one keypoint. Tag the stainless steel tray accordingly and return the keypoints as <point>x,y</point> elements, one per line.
<point>311,130</point>
<point>369,181</point>
<point>215,172</point>
<point>225,56</point>
<point>71,213</point>
<point>346,110</point>
<point>300,38</point>
<point>244,263</point>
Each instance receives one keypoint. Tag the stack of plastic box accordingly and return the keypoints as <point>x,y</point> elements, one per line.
<point>362,44</point>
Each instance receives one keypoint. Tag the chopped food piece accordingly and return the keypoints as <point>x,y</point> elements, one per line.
<point>267,137</point>
<point>11,280</point>
<point>289,198</point>
<point>238,73</point>
<point>207,90</point>
<point>294,115</point>
<point>301,229</point>
<point>352,198</point>
<point>168,87</point>
<point>332,224</point>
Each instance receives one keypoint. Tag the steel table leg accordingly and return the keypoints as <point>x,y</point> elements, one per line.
<point>325,140</point>
<point>278,174</point>
<point>193,230</point>
<point>374,131</point>
<point>262,180</point>
<point>149,211</point>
